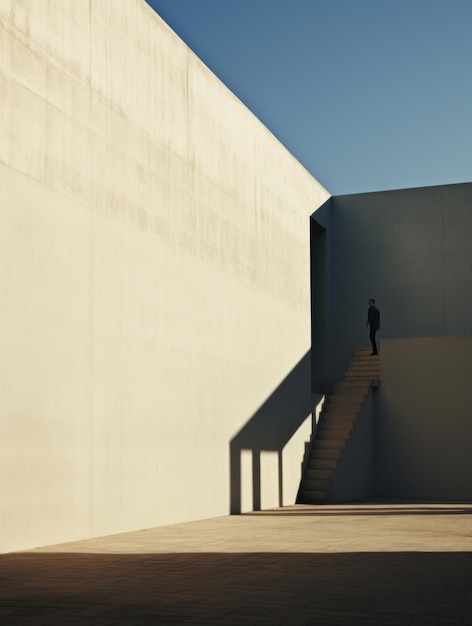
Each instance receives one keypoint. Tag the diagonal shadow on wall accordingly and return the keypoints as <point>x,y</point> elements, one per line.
<point>270,429</point>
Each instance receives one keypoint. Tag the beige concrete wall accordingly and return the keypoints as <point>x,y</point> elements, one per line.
<point>154,275</point>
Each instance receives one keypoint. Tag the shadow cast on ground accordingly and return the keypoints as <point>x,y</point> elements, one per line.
<point>359,588</point>
<point>339,511</point>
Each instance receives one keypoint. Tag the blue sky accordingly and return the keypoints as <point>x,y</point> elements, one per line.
<point>367,94</point>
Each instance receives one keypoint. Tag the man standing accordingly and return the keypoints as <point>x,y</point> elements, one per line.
<point>373,320</point>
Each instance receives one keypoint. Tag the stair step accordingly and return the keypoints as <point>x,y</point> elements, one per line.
<point>343,411</point>
<point>367,361</point>
<point>335,430</point>
<point>316,485</point>
<point>336,421</point>
<point>341,402</point>
<point>330,444</point>
<point>312,497</point>
<point>364,371</point>
<point>328,453</point>
<point>318,474</point>
<point>345,399</point>
<point>361,371</point>
<point>339,415</point>
<point>343,408</point>
<point>356,386</point>
<point>333,424</point>
<point>355,390</point>
<point>351,385</point>
<point>364,358</point>
<point>321,464</point>
<point>335,434</point>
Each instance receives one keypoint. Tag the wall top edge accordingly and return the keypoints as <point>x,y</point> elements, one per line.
<point>190,51</point>
<point>401,189</point>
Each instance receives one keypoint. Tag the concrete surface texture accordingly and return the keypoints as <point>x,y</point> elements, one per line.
<point>411,436</point>
<point>423,425</point>
<point>410,250</point>
<point>154,272</point>
<point>376,564</point>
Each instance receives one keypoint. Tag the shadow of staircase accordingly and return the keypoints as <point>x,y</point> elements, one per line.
<point>337,419</point>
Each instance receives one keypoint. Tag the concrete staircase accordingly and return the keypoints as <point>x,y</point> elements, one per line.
<point>335,424</point>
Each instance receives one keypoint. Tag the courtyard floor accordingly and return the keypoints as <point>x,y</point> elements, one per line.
<point>375,564</point>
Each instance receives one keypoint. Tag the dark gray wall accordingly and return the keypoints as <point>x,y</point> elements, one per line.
<point>354,476</point>
<point>411,251</point>
<point>320,247</point>
<point>423,419</point>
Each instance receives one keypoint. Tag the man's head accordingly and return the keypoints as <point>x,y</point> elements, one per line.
<point>371,302</point>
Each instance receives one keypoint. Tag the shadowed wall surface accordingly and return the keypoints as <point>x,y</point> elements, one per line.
<point>410,250</point>
<point>423,419</point>
<point>154,271</point>
<point>411,437</point>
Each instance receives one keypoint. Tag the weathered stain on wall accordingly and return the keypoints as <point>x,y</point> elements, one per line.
<point>154,272</point>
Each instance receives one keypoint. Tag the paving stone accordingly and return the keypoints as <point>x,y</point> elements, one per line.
<point>370,564</point>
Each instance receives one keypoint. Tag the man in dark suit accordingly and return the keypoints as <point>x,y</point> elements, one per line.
<point>373,320</point>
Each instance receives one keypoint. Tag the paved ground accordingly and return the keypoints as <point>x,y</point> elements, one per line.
<point>373,564</point>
